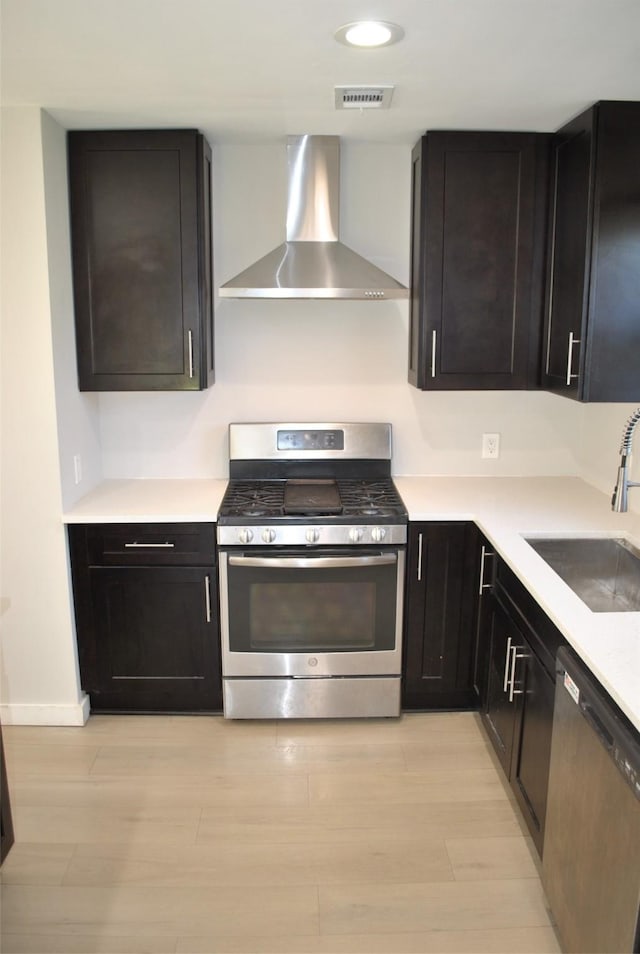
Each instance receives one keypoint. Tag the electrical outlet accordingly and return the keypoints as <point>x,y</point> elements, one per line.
<point>491,445</point>
<point>77,468</point>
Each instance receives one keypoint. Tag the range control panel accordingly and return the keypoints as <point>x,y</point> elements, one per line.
<point>309,440</point>
<point>306,440</point>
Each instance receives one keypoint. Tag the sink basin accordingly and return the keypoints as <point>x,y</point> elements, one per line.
<point>603,571</point>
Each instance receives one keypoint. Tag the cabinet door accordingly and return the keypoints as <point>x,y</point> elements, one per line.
<point>613,342</point>
<point>532,749</point>
<point>477,260</point>
<point>568,261</point>
<point>141,242</point>
<point>518,714</point>
<point>437,671</point>
<point>155,639</point>
<point>592,329</point>
<point>499,714</point>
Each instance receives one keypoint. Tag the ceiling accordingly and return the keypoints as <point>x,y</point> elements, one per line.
<point>258,70</point>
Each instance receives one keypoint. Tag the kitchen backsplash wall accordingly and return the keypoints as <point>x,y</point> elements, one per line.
<point>596,443</point>
<point>161,435</point>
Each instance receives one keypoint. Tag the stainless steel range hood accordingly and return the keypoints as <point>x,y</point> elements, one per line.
<point>313,263</point>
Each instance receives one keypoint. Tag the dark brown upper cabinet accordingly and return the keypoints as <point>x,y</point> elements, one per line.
<point>592,339</point>
<point>477,260</point>
<point>142,259</point>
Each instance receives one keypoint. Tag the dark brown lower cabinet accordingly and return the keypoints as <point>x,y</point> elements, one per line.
<point>474,636</point>
<point>440,608</point>
<point>518,708</point>
<point>147,626</point>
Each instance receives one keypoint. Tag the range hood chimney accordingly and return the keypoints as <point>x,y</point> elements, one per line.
<point>313,263</point>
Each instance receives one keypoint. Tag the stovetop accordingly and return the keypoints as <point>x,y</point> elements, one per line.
<point>361,501</point>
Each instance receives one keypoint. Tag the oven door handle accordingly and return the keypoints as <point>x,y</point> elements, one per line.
<point>304,563</point>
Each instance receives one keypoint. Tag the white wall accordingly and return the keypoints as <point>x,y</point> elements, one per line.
<point>76,414</point>
<point>38,679</point>
<point>324,360</point>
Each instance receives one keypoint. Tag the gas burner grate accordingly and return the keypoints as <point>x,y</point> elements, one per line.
<point>370,498</point>
<point>253,498</point>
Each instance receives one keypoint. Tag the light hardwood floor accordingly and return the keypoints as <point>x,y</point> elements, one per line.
<point>192,835</point>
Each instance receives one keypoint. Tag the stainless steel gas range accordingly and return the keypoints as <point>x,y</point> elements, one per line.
<point>312,538</point>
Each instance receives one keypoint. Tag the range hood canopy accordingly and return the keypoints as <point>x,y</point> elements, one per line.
<point>313,263</point>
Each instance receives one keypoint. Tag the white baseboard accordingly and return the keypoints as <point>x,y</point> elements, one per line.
<point>45,715</point>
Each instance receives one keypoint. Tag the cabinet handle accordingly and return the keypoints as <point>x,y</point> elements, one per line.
<point>434,334</point>
<point>483,585</point>
<point>512,690</point>
<point>150,546</point>
<point>507,661</point>
<point>572,341</point>
<point>190,335</point>
<point>419,569</point>
<point>207,597</point>
<point>512,652</point>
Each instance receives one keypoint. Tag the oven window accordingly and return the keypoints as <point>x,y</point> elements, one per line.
<point>312,616</point>
<point>286,608</point>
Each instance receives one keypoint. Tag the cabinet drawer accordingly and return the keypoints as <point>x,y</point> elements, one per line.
<point>151,544</point>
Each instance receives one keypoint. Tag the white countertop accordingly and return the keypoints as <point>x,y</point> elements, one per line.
<point>504,508</point>
<point>149,501</point>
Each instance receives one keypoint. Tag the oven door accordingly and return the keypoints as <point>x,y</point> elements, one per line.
<point>313,613</point>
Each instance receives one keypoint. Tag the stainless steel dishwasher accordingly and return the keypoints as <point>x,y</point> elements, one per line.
<point>591,857</point>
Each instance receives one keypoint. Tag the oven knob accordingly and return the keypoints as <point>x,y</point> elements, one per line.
<point>356,534</point>
<point>245,535</point>
<point>378,534</point>
<point>268,535</point>
<point>312,535</point>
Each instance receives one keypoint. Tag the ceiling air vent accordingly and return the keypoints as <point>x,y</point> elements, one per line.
<point>363,97</point>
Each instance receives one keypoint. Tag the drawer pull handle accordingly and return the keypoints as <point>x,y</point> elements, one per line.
<point>507,665</point>
<point>153,546</point>
<point>512,690</point>
<point>419,569</point>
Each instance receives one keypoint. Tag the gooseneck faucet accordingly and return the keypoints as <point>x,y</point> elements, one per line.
<point>620,493</point>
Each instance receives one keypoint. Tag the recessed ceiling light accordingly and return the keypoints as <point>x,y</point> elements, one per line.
<point>369,33</point>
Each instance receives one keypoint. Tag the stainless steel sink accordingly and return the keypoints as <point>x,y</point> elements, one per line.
<point>603,571</point>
